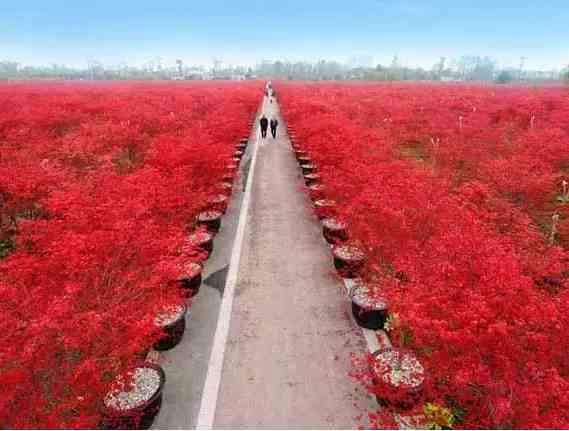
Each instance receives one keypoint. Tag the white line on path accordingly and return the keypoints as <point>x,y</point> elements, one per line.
<point>212,383</point>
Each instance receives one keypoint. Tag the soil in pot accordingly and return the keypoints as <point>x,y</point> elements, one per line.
<point>210,219</point>
<point>398,377</point>
<point>191,279</point>
<point>334,230</point>
<point>136,406</point>
<point>348,260</point>
<point>368,308</point>
<point>172,323</point>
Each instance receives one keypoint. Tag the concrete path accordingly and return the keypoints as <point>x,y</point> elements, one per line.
<point>287,354</point>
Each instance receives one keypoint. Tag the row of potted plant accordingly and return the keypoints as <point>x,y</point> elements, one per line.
<point>397,374</point>
<point>137,406</point>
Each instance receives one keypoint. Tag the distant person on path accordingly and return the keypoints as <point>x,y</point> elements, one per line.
<point>274,125</point>
<point>264,124</point>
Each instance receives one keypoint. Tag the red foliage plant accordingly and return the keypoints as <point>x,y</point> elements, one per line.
<point>451,190</point>
<point>99,184</point>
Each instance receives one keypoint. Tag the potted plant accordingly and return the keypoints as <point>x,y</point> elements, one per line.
<point>307,168</point>
<point>210,219</point>
<point>325,208</point>
<point>135,406</point>
<point>202,239</point>
<point>316,192</point>
<point>172,324</point>
<point>398,378</point>
<point>369,309</point>
<point>231,167</point>
<point>218,202</point>
<point>191,279</point>
<point>334,230</point>
<point>225,187</point>
<point>348,260</point>
<point>311,179</point>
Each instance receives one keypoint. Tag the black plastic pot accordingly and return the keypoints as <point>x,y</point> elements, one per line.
<point>141,416</point>
<point>348,260</point>
<point>334,231</point>
<point>203,240</point>
<point>307,169</point>
<point>172,332</point>
<point>369,311</point>
<point>408,385</point>
<point>210,219</point>
<point>311,179</point>
<point>191,280</point>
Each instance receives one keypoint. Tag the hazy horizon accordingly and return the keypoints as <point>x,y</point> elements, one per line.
<point>245,33</point>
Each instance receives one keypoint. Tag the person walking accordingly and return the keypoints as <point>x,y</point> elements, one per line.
<point>264,124</point>
<point>274,125</point>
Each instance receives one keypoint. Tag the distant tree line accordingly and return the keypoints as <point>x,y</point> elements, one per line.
<point>465,68</point>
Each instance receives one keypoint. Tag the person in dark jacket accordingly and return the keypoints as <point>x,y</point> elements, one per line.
<point>264,124</point>
<point>274,125</point>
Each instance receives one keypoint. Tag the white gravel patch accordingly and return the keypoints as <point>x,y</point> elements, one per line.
<point>146,382</point>
<point>348,252</point>
<point>364,297</point>
<point>396,369</point>
<point>168,316</point>
<point>333,224</point>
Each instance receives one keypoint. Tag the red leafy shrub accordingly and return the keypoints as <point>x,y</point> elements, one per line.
<point>99,185</point>
<point>451,190</point>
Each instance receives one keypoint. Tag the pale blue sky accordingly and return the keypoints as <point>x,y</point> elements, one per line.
<point>245,32</point>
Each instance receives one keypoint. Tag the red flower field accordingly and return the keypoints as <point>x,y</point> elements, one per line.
<point>458,196</point>
<point>99,186</point>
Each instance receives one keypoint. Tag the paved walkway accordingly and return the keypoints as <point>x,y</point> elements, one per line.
<point>287,355</point>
